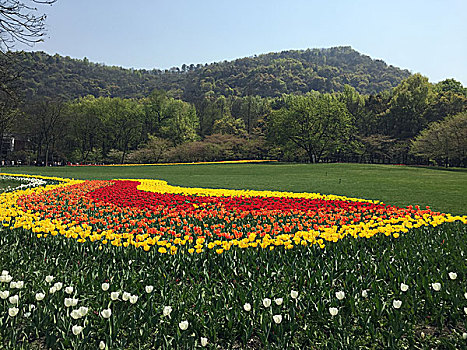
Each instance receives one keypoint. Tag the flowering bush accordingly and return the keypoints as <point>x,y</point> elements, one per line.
<point>126,263</point>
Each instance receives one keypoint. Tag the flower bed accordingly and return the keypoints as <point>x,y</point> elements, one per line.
<point>151,213</point>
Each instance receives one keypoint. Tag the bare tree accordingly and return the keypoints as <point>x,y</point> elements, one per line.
<point>21,23</point>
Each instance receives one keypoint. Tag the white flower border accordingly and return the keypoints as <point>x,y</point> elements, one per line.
<point>27,182</point>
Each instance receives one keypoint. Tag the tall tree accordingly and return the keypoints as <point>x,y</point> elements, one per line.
<point>43,121</point>
<point>166,117</point>
<point>123,118</point>
<point>8,113</point>
<point>318,124</point>
<point>407,116</point>
<point>181,123</point>
<point>444,142</point>
<point>85,125</point>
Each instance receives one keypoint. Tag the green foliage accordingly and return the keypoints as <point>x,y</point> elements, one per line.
<point>273,74</point>
<point>181,122</point>
<point>318,124</point>
<point>408,106</point>
<point>229,125</point>
<point>169,118</point>
<point>153,151</point>
<point>87,129</point>
<point>444,142</point>
<point>451,85</point>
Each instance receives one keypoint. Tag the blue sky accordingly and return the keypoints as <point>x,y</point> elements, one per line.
<point>427,36</point>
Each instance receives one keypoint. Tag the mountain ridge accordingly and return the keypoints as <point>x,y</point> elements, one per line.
<point>267,75</point>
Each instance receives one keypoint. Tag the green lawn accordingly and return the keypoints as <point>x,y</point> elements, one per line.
<point>441,189</point>
<point>4,184</point>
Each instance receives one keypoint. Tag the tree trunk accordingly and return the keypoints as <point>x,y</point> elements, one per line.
<point>46,155</point>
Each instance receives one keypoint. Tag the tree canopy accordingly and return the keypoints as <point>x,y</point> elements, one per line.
<point>318,124</point>
<point>444,142</point>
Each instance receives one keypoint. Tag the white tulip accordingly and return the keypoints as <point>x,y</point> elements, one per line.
<point>68,302</point>
<point>105,286</point>
<point>49,279</point>
<point>14,299</point>
<point>465,310</point>
<point>58,286</point>
<point>294,294</point>
<point>204,341</point>
<point>126,296</point>
<point>40,296</point>
<point>83,310</point>
<point>149,289</point>
<point>277,318</point>
<point>13,311</point>
<point>5,273</point>
<point>436,286</point>
<point>340,295</point>
<point>364,293</point>
<point>52,290</point>
<point>452,275</point>
<point>2,278</point>
<point>12,285</point>
<point>278,301</point>
<point>75,314</point>
<point>69,290</point>
<point>267,302</point>
<point>397,304</point>
<point>333,311</point>
<point>247,307</point>
<point>114,295</point>
<point>76,330</point>
<point>7,278</point>
<point>4,294</point>
<point>102,345</point>
<point>183,325</point>
<point>464,335</point>
<point>106,313</point>
<point>167,310</point>
<point>74,301</point>
<point>404,287</point>
<point>133,299</point>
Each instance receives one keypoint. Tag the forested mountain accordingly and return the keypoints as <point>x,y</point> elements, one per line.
<point>267,75</point>
<point>316,105</point>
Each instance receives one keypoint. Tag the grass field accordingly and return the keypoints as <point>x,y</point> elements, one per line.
<point>442,189</point>
<point>4,184</point>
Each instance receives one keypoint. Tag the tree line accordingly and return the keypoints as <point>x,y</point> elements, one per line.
<point>416,122</point>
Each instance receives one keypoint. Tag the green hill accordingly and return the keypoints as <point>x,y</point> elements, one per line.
<point>266,75</point>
